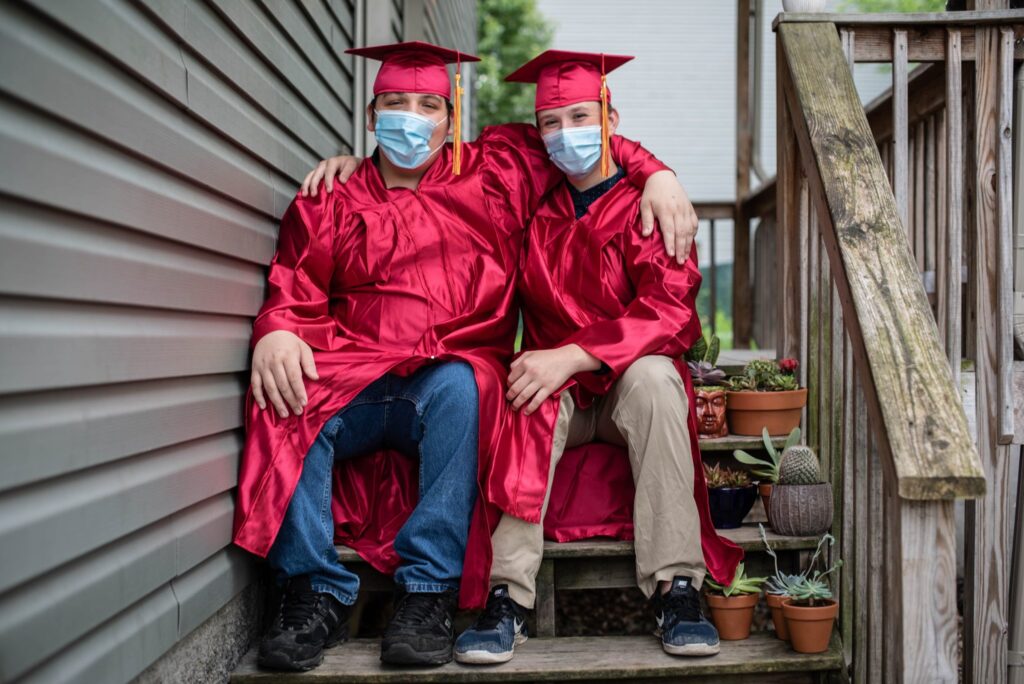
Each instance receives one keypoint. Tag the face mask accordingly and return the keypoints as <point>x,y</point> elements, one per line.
<point>405,137</point>
<point>574,150</point>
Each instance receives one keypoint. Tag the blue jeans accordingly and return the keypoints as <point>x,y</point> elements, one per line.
<point>431,415</point>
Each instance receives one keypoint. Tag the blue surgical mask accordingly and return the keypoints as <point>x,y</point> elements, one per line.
<point>574,150</point>
<point>404,137</point>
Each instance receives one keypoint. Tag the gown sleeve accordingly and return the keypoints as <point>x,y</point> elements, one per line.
<point>300,275</point>
<point>521,173</point>
<point>661,318</point>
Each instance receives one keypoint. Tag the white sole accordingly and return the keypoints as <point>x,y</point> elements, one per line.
<point>488,658</point>
<point>692,649</point>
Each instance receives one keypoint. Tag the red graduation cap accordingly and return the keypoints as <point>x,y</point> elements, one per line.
<point>418,67</point>
<point>564,78</point>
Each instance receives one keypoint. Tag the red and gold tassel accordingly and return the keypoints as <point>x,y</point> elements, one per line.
<point>457,113</point>
<point>606,155</point>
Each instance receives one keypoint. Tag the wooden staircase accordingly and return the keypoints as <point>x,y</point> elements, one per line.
<point>594,564</point>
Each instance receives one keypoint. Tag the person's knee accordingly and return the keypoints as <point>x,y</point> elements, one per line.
<point>651,375</point>
<point>455,377</point>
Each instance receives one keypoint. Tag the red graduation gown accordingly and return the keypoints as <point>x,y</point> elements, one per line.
<point>599,283</point>
<point>380,280</point>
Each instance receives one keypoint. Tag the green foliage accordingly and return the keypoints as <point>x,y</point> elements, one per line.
<point>893,6</point>
<point>511,32</point>
<point>741,584</point>
<point>701,360</point>
<point>768,470</point>
<point>721,478</point>
<point>809,586</point>
<point>799,466</point>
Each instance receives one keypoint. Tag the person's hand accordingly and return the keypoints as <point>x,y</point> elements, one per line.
<point>665,199</point>
<point>536,375</point>
<point>340,167</point>
<point>278,362</point>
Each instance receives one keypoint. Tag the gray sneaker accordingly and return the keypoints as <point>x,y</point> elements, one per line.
<point>683,629</point>
<point>495,634</point>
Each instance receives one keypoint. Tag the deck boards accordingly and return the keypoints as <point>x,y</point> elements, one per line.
<point>565,659</point>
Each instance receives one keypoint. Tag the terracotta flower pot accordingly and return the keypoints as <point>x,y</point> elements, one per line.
<point>730,505</point>
<point>801,510</point>
<point>732,615</point>
<point>810,628</point>
<point>765,490</point>
<point>775,602</point>
<point>749,412</point>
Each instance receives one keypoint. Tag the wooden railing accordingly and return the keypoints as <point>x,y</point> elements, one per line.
<point>710,215</point>
<point>883,408</point>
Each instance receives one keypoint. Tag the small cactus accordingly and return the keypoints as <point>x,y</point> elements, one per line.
<point>799,466</point>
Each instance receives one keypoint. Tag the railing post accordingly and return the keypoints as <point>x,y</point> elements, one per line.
<point>787,219</point>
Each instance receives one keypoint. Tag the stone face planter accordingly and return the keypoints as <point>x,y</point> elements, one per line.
<point>730,505</point>
<point>801,510</point>
<point>711,412</point>
<point>810,628</point>
<point>749,412</point>
<point>732,615</point>
<point>775,602</point>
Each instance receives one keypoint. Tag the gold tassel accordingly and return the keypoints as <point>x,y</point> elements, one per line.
<point>457,142</point>
<point>606,156</point>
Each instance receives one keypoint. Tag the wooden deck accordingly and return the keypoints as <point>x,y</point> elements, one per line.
<point>761,658</point>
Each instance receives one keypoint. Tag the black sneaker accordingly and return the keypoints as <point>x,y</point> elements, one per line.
<point>307,622</point>
<point>681,626</point>
<point>421,630</point>
<point>496,633</point>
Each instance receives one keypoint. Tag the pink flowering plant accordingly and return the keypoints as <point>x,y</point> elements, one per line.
<point>766,375</point>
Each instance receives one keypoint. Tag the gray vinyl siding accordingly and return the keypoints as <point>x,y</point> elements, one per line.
<point>149,148</point>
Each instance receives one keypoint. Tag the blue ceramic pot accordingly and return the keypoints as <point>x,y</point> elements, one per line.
<point>730,505</point>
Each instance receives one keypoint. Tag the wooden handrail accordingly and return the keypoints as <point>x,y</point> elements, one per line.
<point>908,387</point>
<point>907,20</point>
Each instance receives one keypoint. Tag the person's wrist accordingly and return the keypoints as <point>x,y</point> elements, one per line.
<point>582,360</point>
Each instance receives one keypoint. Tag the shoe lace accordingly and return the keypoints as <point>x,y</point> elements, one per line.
<point>297,608</point>
<point>418,608</point>
<point>498,607</point>
<point>682,606</point>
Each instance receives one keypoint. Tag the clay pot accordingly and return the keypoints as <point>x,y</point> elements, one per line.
<point>765,490</point>
<point>730,505</point>
<point>749,412</point>
<point>732,615</point>
<point>775,602</point>
<point>801,510</point>
<point>810,628</point>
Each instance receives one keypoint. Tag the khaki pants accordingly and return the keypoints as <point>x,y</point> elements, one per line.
<point>646,412</point>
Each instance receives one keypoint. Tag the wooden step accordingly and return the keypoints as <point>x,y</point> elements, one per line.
<point>730,443</point>
<point>746,537</point>
<point>761,658</point>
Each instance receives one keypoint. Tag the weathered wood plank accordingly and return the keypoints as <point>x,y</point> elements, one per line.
<point>901,180</point>
<point>1004,241</point>
<point>731,442</point>
<point>987,520</point>
<point>565,659</point>
<point>884,302</point>
<point>544,606</point>
<point>954,203</point>
<point>788,218</point>
<point>909,19</point>
<point>742,314</point>
<point>926,542</point>
<point>862,524</point>
<point>925,44</point>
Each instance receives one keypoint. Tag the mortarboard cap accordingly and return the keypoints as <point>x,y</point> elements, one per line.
<point>564,78</point>
<point>418,67</point>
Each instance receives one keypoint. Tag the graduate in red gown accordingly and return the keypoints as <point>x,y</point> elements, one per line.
<point>384,298</point>
<point>607,317</point>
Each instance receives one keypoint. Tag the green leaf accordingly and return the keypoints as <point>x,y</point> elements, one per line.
<point>794,437</point>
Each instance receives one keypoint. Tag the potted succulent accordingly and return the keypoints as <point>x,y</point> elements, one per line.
<point>767,471</point>
<point>766,395</point>
<point>732,606</point>
<point>708,386</point>
<point>731,494</point>
<point>808,608</point>
<point>801,504</point>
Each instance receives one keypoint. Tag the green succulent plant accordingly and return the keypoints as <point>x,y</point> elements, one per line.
<point>807,588</point>
<point>765,375</point>
<point>741,584</point>
<point>799,466</point>
<point>767,470</point>
<point>701,360</point>
<point>721,478</point>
